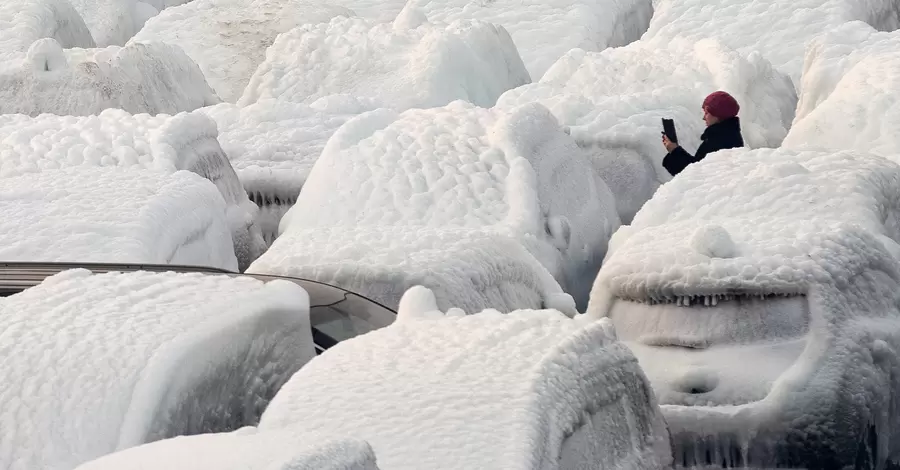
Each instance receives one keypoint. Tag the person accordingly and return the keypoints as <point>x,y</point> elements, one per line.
<point>723,131</point>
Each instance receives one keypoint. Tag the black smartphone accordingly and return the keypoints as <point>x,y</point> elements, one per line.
<point>669,130</point>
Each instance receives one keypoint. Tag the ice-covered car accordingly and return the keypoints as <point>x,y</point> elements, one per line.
<point>490,209</point>
<point>760,291</point>
<point>445,390</point>
<point>115,138</point>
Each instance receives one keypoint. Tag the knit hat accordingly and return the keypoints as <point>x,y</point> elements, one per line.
<point>721,105</point>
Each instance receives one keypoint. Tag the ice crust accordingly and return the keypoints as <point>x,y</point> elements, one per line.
<point>228,39</point>
<point>543,30</point>
<point>779,31</point>
<point>138,78</point>
<point>114,215</point>
<point>99,363</point>
<point>245,449</point>
<point>612,102</point>
<point>530,390</point>
<point>801,297</point>
<point>390,191</point>
<point>402,65</point>
<point>115,138</point>
<point>23,22</point>
<point>851,93</point>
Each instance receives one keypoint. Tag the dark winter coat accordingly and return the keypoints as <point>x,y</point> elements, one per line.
<point>719,136</point>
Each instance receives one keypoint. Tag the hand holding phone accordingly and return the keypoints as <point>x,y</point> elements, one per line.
<point>669,130</point>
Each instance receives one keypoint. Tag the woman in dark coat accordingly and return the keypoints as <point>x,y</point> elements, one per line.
<point>723,131</point>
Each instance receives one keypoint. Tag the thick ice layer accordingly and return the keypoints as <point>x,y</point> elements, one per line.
<point>545,30</point>
<point>778,30</point>
<point>759,290</point>
<point>24,21</point>
<point>228,40</point>
<point>114,215</point>
<point>139,78</point>
<point>851,93</point>
<point>99,363</point>
<point>115,138</point>
<point>113,22</point>
<point>528,390</point>
<point>612,102</point>
<point>245,449</point>
<point>409,63</point>
<point>461,168</point>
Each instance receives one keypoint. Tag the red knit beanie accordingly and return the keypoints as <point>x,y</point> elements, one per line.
<point>721,105</point>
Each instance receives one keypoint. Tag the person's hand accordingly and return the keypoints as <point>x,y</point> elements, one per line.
<point>668,144</point>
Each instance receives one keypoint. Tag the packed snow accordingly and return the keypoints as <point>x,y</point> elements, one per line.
<point>533,389</point>
<point>245,449</point>
<point>405,64</point>
<point>273,145</point>
<point>228,39</point>
<point>114,215</point>
<point>851,93</point>
<point>164,143</point>
<point>786,263</point>
<point>544,30</point>
<point>139,78</point>
<point>612,103</point>
<point>99,363</point>
<point>114,22</point>
<point>778,30</point>
<point>24,21</point>
<point>389,182</point>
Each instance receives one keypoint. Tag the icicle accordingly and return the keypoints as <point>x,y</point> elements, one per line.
<point>715,300</point>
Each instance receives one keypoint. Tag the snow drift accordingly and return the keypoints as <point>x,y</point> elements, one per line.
<point>228,40</point>
<point>99,363</point>
<point>139,78</point>
<point>764,310</point>
<point>528,390</point>
<point>163,143</point>
<point>114,215</point>
<point>778,30</point>
<point>244,449</point>
<point>851,93</point>
<point>273,145</point>
<point>612,102</point>
<point>23,22</point>
<point>545,30</point>
<point>406,64</point>
<point>388,184</point>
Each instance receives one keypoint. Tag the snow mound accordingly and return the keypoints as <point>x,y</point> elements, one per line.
<point>402,65</point>
<point>545,30</point>
<point>422,174</point>
<point>114,215</point>
<point>163,143</point>
<point>776,207</point>
<point>245,449</point>
<point>99,363</point>
<point>139,78</point>
<point>759,290</point>
<point>228,40</point>
<point>23,22</point>
<point>780,31</point>
<point>114,22</point>
<point>851,93</point>
<point>612,102</point>
<point>529,390</point>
